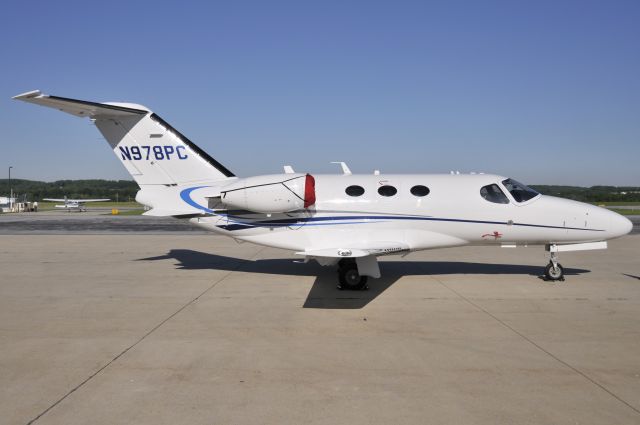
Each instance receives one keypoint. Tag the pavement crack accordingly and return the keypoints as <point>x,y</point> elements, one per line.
<point>237,267</point>
<point>539,347</point>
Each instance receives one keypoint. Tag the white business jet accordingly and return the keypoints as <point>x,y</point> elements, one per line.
<point>346,220</point>
<point>73,204</point>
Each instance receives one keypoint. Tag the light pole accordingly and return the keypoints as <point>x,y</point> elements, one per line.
<point>11,189</point>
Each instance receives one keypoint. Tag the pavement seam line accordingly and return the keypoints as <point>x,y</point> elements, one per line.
<point>539,347</point>
<point>156,327</point>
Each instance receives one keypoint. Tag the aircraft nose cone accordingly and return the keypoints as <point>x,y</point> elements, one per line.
<point>619,225</point>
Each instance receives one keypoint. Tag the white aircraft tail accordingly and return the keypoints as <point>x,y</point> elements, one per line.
<point>152,151</point>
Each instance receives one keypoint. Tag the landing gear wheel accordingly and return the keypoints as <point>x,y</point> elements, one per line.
<point>346,262</point>
<point>554,272</point>
<point>350,279</point>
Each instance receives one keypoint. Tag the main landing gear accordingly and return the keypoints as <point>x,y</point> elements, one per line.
<point>554,270</point>
<point>349,277</point>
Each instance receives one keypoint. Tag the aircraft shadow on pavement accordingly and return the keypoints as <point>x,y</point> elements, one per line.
<point>324,292</point>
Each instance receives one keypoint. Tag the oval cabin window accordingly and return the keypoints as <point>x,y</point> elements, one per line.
<point>387,190</point>
<point>354,190</point>
<point>419,190</point>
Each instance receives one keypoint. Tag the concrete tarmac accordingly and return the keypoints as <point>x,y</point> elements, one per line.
<point>91,222</point>
<point>179,328</point>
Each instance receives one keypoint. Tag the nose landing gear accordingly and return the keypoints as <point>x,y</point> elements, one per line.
<point>554,271</point>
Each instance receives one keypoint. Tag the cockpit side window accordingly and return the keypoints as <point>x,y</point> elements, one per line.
<point>520,192</point>
<point>492,193</point>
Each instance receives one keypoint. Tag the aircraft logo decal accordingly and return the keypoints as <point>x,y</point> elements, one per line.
<point>495,235</point>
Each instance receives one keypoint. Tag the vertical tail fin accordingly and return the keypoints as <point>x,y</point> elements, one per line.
<point>151,150</point>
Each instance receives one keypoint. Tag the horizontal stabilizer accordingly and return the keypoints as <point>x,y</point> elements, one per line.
<point>82,108</point>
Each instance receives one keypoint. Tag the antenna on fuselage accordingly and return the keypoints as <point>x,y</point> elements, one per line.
<point>345,169</point>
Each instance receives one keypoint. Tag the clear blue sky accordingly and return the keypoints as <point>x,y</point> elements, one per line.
<point>546,92</point>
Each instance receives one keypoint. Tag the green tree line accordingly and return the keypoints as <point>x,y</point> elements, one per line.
<point>122,190</point>
<point>593,193</point>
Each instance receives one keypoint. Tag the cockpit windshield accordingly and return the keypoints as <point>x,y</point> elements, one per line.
<point>520,192</point>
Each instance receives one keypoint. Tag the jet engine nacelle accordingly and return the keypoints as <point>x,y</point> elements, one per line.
<point>278,193</point>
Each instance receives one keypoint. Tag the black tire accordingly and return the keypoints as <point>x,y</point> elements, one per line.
<point>350,279</point>
<point>346,262</point>
<point>554,273</point>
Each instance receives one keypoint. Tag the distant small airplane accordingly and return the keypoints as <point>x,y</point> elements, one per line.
<point>345,220</point>
<point>74,204</point>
